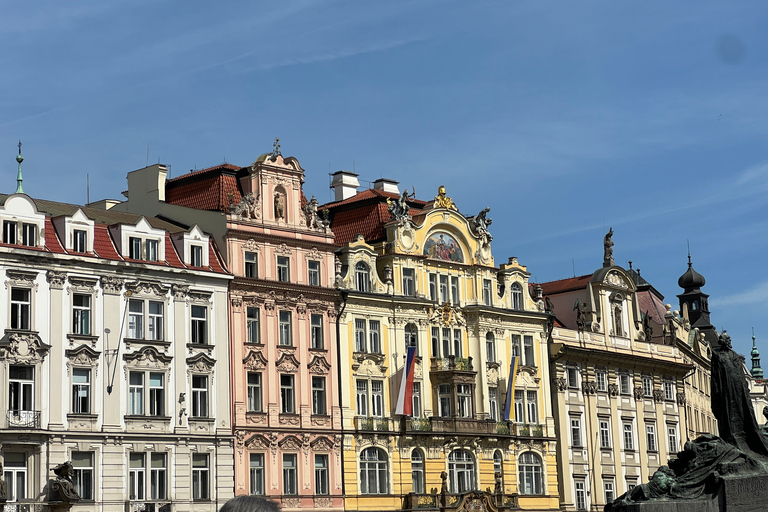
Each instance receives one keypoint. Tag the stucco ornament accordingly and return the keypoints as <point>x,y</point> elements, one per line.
<point>398,208</point>
<point>310,212</point>
<point>479,224</point>
<point>24,347</point>
<point>443,201</point>
<point>608,249</point>
<point>249,207</point>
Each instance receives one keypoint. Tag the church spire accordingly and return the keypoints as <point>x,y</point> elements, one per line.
<point>757,371</point>
<point>19,179</point>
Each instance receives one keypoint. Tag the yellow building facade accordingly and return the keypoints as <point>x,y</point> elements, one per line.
<point>421,274</point>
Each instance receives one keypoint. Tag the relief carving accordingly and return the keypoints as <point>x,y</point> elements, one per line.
<point>287,363</point>
<point>200,363</point>
<point>24,347</point>
<point>319,366</point>
<point>56,279</point>
<point>255,361</point>
<point>180,291</point>
<point>148,288</point>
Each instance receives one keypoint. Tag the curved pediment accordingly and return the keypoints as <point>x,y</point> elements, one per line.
<point>201,362</point>
<point>148,356</point>
<point>614,277</point>
<point>255,360</point>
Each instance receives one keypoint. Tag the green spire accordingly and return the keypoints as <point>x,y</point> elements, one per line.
<point>19,179</point>
<point>757,372</point>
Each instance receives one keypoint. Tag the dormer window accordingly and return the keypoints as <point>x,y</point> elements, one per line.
<point>517,296</point>
<point>362,280</point>
<point>29,234</point>
<point>134,248</point>
<point>80,240</point>
<point>141,249</point>
<point>151,246</point>
<point>196,256</point>
<point>9,232</point>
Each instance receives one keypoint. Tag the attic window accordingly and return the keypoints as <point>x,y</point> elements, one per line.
<point>79,241</point>
<point>29,234</point>
<point>151,246</point>
<point>196,256</point>
<point>9,232</point>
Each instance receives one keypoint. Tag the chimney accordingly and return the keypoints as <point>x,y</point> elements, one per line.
<point>344,185</point>
<point>386,185</point>
<point>148,183</point>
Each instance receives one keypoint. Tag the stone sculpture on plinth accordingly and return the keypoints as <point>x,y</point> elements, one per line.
<point>713,474</point>
<point>61,492</point>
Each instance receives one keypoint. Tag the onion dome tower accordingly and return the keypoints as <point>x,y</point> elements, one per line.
<point>757,371</point>
<point>696,302</point>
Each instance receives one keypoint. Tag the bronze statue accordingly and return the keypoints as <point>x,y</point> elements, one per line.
<point>3,486</point>
<point>61,488</point>
<point>398,208</point>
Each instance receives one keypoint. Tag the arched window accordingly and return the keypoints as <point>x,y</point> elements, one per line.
<point>461,471</point>
<point>417,468</point>
<point>517,296</point>
<point>490,348</point>
<point>373,472</point>
<point>530,474</point>
<point>412,337</point>
<point>362,277</point>
<point>498,467</point>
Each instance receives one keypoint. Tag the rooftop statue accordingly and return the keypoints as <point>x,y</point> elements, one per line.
<point>399,207</point>
<point>608,249</point>
<point>479,224</point>
<point>443,201</point>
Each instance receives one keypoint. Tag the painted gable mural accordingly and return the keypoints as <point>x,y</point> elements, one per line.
<point>443,246</point>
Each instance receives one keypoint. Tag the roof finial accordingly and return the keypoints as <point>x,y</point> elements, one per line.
<point>276,150</point>
<point>689,252</point>
<point>19,179</point>
<point>757,371</point>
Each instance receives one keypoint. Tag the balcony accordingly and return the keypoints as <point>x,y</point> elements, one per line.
<point>148,506</point>
<point>529,430</point>
<point>22,419</point>
<point>370,423</point>
<point>446,502</point>
<point>25,506</point>
<point>451,364</point>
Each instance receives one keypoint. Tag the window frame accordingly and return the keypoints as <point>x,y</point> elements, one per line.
<point>10,232</point>
<point>254,390</point>
<point>531,471</point>
<point>316,331</point>
<point>283,269</point>
<point>490,347</point>
<point>21,309</point>
<point>199,324</point>
<point>81,315</point>
<point>313,274</point>
<point>196,255</point>
<point>79,241</point>
<point>81,392</point>
<point>362,277</point>
<point>253,324</point>
<point>322,477</point>
<point>201,477</point>
<point>290,474</point>
<point>409,282</point>
<point>287,393</point>
<point>418,482</point>
<point>285,328</point>
<point>250,265</point>
<point>628,436</point>
<point>487,292</point>
<point>462,471</point>
<point>652,442</point>
<point>200,406</point>
<point>377,467</point>
<point>516,296</point>
<point>256,474</point>
<point>26,227</point>
<point>605,433</point>
<point>319,396</point>
<point>151,249</point>
<point>576,433</point>
<point>374,336</point>
<point>83,476</point>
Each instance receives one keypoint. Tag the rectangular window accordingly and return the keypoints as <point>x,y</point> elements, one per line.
<point>251,270</point>
<point>199,396</point>
<point>602,380</point>
<point>199,324</point>
<point>377,398</point>
<point>629,443</point>
<point>435,342</point>
<point>605,434</point>
<point>647,386</point>
<point>576,431</point>
<point>287,402</point>
<point>608,487</point>
<point>455,290</point>
<point>519,406</point>
<point>493,404</point>
<point>362,397</point>
<point>79,240</point>
<point>151,250</point>
<point>444,289</point>
<point>136,319</point>
<point>283,269</point>
<point>155,320</point>
<point>532,403</point>
<point>134,248</point>
<point>316,325</point>
<point>81,391</point>
<point>672,438</point>
<point>417,400</point>
<point>444,400</point>
<point>490,348</point>
<point>433,287</point>
<point>650,434</point>
<point>361,343</point>
<point>321,474</point>
<point>669,390</point>
<point>81,314</point>
<point>516,345</point>
<point>572,374</point>
<point>290,477</point>
<point>82,479</point>
<point>528,352</point>
<point>625,384</point>
<point>157,476</point>
<point>137,476</point>
<point>254,392</point>
<point>487,298</point>
<point>9,232</point>
<point>313,273</point>
<point>318,396</point>
<point>15,476</point>
<point>581,495</point>
<point>457,351</point>
<point>252,325</point>
<point>136,393</point>
<point>464,399</point>
<point>156,394</point>
<point>375,336</point>
<point>29,234</point>
<point>286,339</point>
<point>409,282</point>
<point>200,477</point>
<point>257,473</point>
<point>196,255</point>
<point>21,308</point>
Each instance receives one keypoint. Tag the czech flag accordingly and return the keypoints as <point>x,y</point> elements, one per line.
<point>405,395</point>
<point>508,409</point>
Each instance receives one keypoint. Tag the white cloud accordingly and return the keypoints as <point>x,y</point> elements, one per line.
<point>758,294</point>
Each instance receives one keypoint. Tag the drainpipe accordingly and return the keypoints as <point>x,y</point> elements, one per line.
<point>344,295</point>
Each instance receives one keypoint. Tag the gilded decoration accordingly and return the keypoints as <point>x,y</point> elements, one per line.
<point>443,246</point>
<point>443,201</point>
<point>254,361</point>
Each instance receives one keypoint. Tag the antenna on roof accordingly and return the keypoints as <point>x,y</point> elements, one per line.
<point>353,165</point>
<point>573,263</point>
<point>87,188</point>
<point>147,155</point>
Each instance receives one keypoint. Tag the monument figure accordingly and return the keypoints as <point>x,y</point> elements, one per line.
<point>3,486</point>
<point>608,249</point>
<point>61,488</point>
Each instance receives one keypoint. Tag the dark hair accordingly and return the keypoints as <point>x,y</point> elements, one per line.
<point>250,504</point>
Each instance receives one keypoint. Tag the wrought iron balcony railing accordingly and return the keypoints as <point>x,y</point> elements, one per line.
<point>22,419</point>
<point>148,506</point>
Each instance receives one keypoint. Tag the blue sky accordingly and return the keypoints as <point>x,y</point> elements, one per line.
<point>565,118</point>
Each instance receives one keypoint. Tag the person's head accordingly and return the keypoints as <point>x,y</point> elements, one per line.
<point>250,504</point>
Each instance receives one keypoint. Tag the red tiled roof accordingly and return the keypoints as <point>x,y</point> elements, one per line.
<point>214,260</point>
<point>566,285</point>
<point>211,189</point>
<point>102,243</point>
<point>52,242</point>
<point>203,171</point>
<point>171,256</point>
<point>652,304</point>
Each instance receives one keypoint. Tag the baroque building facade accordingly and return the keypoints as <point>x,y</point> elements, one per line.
<point>619,385</point>
<point>282,320</point>
<point>421,274</point>
<point>114,356</point>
